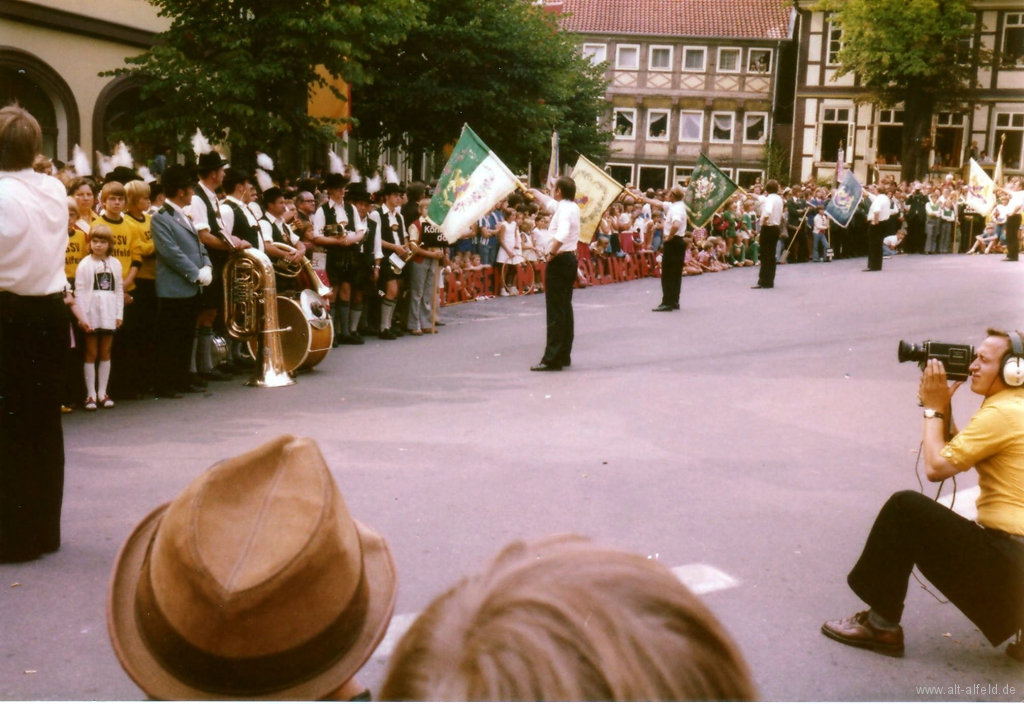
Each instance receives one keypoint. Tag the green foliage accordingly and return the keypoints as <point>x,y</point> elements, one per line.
<point>500,65</point>
<point>242,70</point>
<point>776,164</point>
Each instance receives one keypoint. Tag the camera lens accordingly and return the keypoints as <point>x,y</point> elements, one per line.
<point>907,352</point>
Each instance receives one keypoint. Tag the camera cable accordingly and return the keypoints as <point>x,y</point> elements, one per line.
<point>917,473</point>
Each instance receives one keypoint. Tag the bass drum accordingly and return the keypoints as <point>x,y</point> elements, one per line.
<point>309,340</point>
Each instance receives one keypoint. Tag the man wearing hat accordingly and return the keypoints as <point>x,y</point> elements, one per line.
<point>205,214</point>
<point>387,227</point>
<point>329,224</point>
<point>255,582</point>
<point>346,263</point>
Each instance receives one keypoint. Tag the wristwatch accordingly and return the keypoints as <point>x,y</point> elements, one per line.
<point>932,413</point>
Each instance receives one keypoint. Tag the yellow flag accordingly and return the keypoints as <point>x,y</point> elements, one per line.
<point>980,191</point>
<point>595,191</point>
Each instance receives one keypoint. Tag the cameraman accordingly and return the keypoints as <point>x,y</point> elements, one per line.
<point>979,566</point>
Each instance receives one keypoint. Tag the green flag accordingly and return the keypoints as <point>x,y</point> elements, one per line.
<point>708,191</point>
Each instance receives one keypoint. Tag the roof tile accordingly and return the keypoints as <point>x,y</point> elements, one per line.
<point>747,19</point>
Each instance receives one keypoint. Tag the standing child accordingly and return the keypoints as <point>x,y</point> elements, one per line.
<point>820,233</point>
<point>99,287</point>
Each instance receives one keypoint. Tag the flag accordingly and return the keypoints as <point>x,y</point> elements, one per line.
<point>473,180</point>
<point>997,176</point>
<point>553,164</point>
<point>708,191</point>
<point>845,200</point>
<point>981,197</point>
<point>840,164</point>
<point>595,191</point>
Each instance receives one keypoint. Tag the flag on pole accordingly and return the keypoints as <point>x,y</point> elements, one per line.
<point>845,200</point>
<point>595,191</point>
<point>553,164</point>
<point>708,191</point>
<point>473,180</point>
<point>997,176</point>
<point>981,197</point>
<point>840,164</point>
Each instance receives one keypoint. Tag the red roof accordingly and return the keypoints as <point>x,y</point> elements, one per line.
<point>747,19</point>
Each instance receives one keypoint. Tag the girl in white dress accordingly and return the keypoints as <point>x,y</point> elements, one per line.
<point>99,291</point>
<point>510,252</point>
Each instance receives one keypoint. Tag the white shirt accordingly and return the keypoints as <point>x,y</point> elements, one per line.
<point>33,233</point>
<point>676,212</point>
<point>821,222</point>
<point>178,209</point>
<point>771,211</point>
<point>268,232</point>
<point>1016,204</point>
<point>565,222</point>
<point>392,219</point>
<point>319,220</point>
<point>198,213</point>
<point>880,208</point>
<point>227,216</point>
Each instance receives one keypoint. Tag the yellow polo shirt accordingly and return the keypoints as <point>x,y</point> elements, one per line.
<point>76,251</point>
<point>993,443</point>
<point>146,246</point>
<point>127,242</point>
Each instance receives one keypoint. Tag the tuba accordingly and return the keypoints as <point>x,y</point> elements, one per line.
<point>291,270</point>
<point>250,310</point>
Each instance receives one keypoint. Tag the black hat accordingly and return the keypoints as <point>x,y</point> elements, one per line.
<point>391,189</point>
<point>334,181</point>
<point>123,175</point>
<point>175,178</point>
<point>211,161</point>
<point>357,193</point>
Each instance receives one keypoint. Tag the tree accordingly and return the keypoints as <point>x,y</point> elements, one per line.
<point>914,52</point>
<point>503,66</point>
<point>242,70</point>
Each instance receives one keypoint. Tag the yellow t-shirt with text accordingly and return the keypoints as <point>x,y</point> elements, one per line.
<point>75,253</point>
<point>127,243</point>
<point>146,247</point>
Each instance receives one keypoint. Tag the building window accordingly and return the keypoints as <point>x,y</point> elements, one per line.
<point>657,125</point>
<point>681,174</point>
<point>652,177</point>
<point>1011,127</point>
<point>722,124</point>
<point>949,138</point>
<point>889,145</point>
<point>835,132</point>
<point>755,128</point>
<point>695,58</point>
<point>759,61</point>
<point>623,173</point>
<point>747,178</point>
<point>691,126</point>
<point>834,36</point>
<point>729,60</point>
<point>1013,37</point>
<point>624,120</point>
<point>627,57</point>
<point>597,53</point>
<point>660,58</point>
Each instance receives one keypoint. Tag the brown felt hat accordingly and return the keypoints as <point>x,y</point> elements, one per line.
<point>255,582</point>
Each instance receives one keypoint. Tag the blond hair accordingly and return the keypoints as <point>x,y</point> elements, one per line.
<point>114,188</point>
<point>134,192</point>
<point>101,232</point>
<point>564,619</point>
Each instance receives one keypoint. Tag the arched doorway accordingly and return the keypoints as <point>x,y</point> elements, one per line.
<point>117,107</point>
<point>34,85</point>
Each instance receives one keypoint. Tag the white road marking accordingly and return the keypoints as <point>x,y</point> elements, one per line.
<point>966,502</point>
<point>700,579</point>
<point>704,579</point>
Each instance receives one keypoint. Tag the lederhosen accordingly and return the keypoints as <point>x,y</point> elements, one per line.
<point>396,237</point>
<point>340,260</point>
<point>213,295</point>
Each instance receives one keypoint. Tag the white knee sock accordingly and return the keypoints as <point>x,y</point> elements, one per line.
<point>90,379</point>
<point>101,385</point>
<point>355,314</point>
<point>192,364</point>
<point>387,309</point>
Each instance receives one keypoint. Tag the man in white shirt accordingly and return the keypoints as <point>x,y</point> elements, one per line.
<point>34,343</point>
<point>878,216</point>
<point>1014,209</point>
<point>771,220</point>
<point>275,230</point>
<point>673,248</point>
<point>560,274</point>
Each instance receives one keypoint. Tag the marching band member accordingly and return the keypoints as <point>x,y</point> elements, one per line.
<point>388,230</point>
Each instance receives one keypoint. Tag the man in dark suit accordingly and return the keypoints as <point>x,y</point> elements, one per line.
<point>182,269</point>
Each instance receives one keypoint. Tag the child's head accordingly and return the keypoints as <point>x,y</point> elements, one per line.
<point>101,241</point>
<point>821,209</point>
<point>113,198</point>
<point>72,213</point>
<point>476,260</point>
<point>136,197</point>
<point>423,205</point>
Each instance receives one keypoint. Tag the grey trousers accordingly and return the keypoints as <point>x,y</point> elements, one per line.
<point>421,293</point>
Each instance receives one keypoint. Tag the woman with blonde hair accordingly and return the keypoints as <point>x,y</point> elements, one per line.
<point>565,619</point>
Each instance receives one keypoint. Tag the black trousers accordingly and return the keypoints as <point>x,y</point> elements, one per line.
<point>915,236</point>
<point>979,570</point>
<point>559,277</point>
<point>876,233</point>
<point>769,242</point>
<point>34,343</point>
<point>176,325</point>
<point>1012,237</point>
<point>673,255</point>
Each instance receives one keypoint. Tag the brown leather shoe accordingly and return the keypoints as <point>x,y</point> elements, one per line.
<point>858,632</point>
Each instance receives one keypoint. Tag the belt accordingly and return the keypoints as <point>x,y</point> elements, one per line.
<point>8,297</point>
<point>566,253</point>
<point>1012,536</point>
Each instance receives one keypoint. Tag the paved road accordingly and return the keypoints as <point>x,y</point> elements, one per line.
<point>754,432</point>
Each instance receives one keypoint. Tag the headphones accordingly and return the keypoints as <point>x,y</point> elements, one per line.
<point>1013,362</point>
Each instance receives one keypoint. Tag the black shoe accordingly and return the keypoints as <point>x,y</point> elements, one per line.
<point>397,331</point>
<point>662,309</point>
<point>244,363</point>
<point>567,363</point>
<point>675,306</point>
<point>166,394</point>
<point>871,269</point>
<point>388,334</point>
<point>1007,259</point>
<point>760,286</point>
<point>355,339</point>
<point>542,367</point>
<point>192,389</point>
<point>197,380</point>
<point>440,323</point>
<point>214,375</point>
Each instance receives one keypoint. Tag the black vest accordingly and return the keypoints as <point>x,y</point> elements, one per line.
<point>276,234</point>
<point>242,229</point>
<point>212,215</point>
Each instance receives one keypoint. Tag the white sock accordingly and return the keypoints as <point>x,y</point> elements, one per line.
<point>90,380</point>
<point>387,309</point>
<point>192,364</point>
<point>355,315</point>
<point>101,387</point>
<point>204,350</point>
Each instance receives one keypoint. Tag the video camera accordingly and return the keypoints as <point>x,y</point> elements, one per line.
<point>955,358</point>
